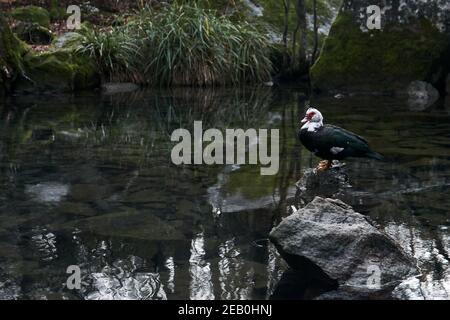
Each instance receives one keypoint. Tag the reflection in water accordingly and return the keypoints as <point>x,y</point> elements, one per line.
<point>45,243</point>
<point>274,270</point>
<point>121,281</point>
<point>235,281</point>
<point>171,280</point>
<point>87,180</point>
<point>201,287</point>
<point>432,255</point>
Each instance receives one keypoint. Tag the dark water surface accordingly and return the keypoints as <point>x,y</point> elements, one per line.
<point>87,180</point>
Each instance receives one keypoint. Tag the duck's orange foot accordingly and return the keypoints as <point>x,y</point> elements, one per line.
<point>324,165</point>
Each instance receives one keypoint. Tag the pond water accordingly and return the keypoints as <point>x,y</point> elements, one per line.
<point>87,180</point>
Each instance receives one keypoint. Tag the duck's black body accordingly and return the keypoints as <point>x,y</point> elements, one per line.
<point>333,143</point>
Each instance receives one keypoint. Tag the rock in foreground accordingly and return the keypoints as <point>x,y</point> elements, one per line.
<point>330,239</point>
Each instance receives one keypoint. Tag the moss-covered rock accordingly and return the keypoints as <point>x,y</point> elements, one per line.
<point>33,33</point>
<point>11,52</point>
<point>32,14</point>
<point>406,49</point>
<point>57,71</point>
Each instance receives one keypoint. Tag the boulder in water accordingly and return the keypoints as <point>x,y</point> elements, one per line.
<point>330,241</point>
<point>421,95</point>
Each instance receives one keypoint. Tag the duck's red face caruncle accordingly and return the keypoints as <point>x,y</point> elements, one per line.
<point>313,116</point>
<point>309,115</point>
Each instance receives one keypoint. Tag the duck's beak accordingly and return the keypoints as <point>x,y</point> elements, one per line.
<point>305,119</point>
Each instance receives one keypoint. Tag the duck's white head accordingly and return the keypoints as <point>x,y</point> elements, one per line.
<point>313,119</point>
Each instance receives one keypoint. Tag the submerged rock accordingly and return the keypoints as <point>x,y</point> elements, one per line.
<point>332,242</point>
<point>119,87</point>
<point>421,95</point>
<point>47,192</point>
<point>412,44</point>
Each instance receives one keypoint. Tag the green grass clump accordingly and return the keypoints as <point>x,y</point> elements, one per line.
<point>113,51</point>
<point>180,45</point>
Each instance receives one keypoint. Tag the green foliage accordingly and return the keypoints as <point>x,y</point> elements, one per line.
<point>56,11</point>
<point>180,45</point>
<point>32,14</point>
<point>115,52</point>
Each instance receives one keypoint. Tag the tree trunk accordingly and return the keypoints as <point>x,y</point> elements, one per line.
<point>316,36</point>
<point>287,5</point>
<point>301,22</point>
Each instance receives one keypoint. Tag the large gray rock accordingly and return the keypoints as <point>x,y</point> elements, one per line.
<point>336,243</point>
<point>412,44</point>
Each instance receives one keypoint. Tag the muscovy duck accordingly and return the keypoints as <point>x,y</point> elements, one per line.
<point>331,142</point>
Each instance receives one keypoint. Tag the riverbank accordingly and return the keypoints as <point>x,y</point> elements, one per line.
<point>225,44</point>
<point>154,43</point>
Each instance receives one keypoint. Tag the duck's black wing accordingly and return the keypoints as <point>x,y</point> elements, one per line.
<point>335,143</point>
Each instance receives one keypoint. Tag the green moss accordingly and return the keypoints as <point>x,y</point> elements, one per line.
<point>377,60</point>
<point>11,52</point>
<point>57,71</point>
<point>32,14</point>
